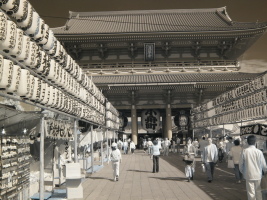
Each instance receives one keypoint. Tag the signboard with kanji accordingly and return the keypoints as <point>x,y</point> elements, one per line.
<point>151,120</point>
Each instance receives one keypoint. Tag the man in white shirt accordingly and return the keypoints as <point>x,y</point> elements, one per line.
<point>166,144</point>
<point>251,165</point>
<point>210,158</point>
<point>116,158</point>
<point>149,146</point>
<point>229,145</point>
<point>202,145</point>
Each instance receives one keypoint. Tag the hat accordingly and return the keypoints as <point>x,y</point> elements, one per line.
<point>113,144</point>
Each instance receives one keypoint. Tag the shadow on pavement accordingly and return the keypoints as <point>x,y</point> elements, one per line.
<point>171,178</point>
<point>223,186</point>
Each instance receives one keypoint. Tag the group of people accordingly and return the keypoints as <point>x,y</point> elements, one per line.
<point>165,145</point>
<point>126,145</point>
<point>249,162</point>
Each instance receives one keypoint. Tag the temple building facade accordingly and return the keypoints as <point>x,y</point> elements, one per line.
<point>155,65</point>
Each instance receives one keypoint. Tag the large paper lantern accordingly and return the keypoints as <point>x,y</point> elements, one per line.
<point>15,80</point>
<point>21,12</point>
<point>6,71</point>
<point>9,41</point>
<point>24,85</point>
<point>26,23</point>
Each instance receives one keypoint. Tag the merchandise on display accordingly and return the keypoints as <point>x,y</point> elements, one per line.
<point>15,172</point>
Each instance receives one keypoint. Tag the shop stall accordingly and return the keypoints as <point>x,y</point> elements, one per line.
<point>36,70</point>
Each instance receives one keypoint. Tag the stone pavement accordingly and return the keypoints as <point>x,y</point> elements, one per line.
<point>137,181</point>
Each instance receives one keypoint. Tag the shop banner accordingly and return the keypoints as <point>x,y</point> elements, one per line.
<point>255,129</point>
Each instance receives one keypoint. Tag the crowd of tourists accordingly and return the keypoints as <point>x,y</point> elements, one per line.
<point>247,161</point>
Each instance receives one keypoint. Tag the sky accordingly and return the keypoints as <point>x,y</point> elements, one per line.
<point>56,12</point>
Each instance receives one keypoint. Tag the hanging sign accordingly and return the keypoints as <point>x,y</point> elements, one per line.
<point>255,129</point>
<point>151,120</point>
<point>123,121</point>
<point>149,50</point>
<point>181,120</point>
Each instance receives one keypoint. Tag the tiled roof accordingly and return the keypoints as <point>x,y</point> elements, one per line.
<point>173,78</point>
<point>144,21</point>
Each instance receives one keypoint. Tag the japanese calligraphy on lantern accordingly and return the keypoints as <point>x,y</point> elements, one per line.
<point>150,120</point>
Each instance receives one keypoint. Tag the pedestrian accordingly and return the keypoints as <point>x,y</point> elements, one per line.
<point>210,158</point>
<point>132,147</point>
<point>178,141</point>
<point>221,149</point>
<point>145,145</point>
<point>196,145</point>
<point>189,159</point>
<point>251,165</point>
<point>115,157</point>
<point>155,153</point>
<point>159,143</point>
<point>166,144</point>
<point>120,144</point>
<point>202,145</point>
<point>125,147</point>
<point>234,154</point>
<point>149,146</point>
<point>173,146</point>
<point>229,145</point>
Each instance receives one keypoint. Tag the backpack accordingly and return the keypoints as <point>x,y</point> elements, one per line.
<point>114,157</point>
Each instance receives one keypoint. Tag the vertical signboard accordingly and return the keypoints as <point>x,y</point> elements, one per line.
<point>149,51</point>
<point>151,120</point>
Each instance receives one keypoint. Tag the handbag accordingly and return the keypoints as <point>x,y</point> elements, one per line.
<point>230,164</point>
<point>203,168</point>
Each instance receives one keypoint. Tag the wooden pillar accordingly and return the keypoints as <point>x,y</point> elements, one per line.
<point>210,132</point>
<point>168,123</point>
<point>134,124</point>
<point>163,126</point>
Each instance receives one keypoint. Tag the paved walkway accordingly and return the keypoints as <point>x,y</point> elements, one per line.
<point>138,182</point>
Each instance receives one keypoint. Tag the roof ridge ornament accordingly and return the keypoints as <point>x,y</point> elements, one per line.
<point>132,71</point>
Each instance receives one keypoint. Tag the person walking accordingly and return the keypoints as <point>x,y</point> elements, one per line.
<point>155,154</point>
<point>173,146</point>
<point>145,145</point>
<point>132,147</point>
<point>228,146</point>
<point>196,145</point>
<point>166,144</point>
<point>178,141</point>
<point>234,154</point>
<point>116,158</point>
<point>149,146</point>
<point>125,147</point>
<point>251,165</point>
<point>210,158</point>
<point>189,159</point>
<point>221,149</point>
<point>202,145</point>
<point>159,143</point>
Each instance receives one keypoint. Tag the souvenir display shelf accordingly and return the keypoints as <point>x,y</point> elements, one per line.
<point>15,167</point>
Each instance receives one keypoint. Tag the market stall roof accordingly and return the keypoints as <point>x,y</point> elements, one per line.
<point>14,121</point>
